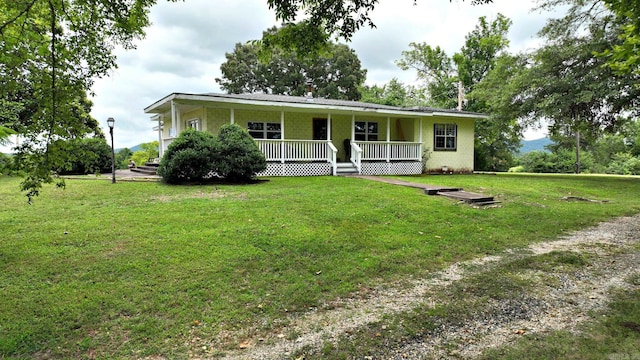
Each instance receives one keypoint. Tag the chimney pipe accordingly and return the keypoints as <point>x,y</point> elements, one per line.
<point>309,88</point>
<point>460,95</point>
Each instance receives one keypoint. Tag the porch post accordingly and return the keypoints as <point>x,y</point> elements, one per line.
<point>233,116</point>
<point>420,138</point>
<point>160,144</point>
<point>329,127</point>
<point>174,120</point>
<point>353,127</point>
<point>388,139</point>
<point>282,148</point>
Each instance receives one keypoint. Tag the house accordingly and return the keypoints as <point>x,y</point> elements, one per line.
<point>304,136</point>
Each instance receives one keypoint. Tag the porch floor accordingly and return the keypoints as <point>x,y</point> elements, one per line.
<point>450,192</point>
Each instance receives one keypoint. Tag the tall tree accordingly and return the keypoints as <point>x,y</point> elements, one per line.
<point>436,70</point>
<point>51,52</point>
<point>335,74</point>
<point>495,137</point>
<point>572,88</point>
<point>341,18</point>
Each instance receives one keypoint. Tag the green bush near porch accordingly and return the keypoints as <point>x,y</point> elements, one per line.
<point>237,157</point>
<point>188,158</point>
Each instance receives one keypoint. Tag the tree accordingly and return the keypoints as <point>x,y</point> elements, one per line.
<point>122,158</point>
<point>394,93</point>
<point>335,74</point>
<point>623,58</point>
<point>51,51</point>
<point>573,89</point>
<point>495,137</point>
<point>435,68</point>
<point>148,151</point>
<point>323,19</point>
<point>87,156</point>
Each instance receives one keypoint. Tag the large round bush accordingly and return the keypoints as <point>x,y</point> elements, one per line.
<point>237,156</point>
<point>188,158</point>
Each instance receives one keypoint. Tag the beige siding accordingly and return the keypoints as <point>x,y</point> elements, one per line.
<point>459,160</point>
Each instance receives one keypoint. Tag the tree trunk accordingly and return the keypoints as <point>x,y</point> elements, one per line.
<point>578,152</point>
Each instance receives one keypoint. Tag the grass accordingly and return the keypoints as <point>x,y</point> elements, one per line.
<point>132,269</point>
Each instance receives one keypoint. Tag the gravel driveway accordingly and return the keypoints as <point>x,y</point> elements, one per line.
<point>615,244</point>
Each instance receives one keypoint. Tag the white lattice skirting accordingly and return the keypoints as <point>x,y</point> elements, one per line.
<point>392,168</point>
<point>323,169</point>
<point>297,169</point>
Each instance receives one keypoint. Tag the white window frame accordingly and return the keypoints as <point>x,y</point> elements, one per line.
<point>264,130</point>
<point>447,135</point>
<point>367,134</point>
<point>194,124</point>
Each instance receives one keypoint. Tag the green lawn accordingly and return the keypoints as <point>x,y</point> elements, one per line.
<point>139,269</point>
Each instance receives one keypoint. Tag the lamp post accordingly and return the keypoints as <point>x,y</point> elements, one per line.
<point>110,122</point>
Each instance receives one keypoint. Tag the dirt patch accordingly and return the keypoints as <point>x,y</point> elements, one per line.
<point>616,253</point>
<point>212,195</point>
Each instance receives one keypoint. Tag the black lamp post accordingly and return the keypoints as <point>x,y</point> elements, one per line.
<point>110,122</point>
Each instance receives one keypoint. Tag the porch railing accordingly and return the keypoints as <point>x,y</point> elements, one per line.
<point>356,156</point>
<point>388,151</point>
<point>297,150</point>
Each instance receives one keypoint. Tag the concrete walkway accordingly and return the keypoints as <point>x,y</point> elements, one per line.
<point>121,175</point>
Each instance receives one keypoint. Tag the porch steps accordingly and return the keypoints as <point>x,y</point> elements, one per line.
<point>346,169</point>
<point>148,169</point>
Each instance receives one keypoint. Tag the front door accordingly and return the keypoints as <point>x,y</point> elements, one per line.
<point>320,129</point>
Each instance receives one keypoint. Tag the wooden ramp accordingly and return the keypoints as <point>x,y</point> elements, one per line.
<point>449,192</point>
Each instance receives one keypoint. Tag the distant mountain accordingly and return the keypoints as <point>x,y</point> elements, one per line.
<point>133,148</point>
<point>533,145</point>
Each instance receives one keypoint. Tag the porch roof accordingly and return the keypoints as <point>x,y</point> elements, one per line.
<point>302,103</point>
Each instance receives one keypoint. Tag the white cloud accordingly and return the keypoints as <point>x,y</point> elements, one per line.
<point>187,42</point>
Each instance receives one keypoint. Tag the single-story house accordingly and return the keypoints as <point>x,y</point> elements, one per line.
<point>303,135</point>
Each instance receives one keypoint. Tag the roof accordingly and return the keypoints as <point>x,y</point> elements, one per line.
<point>307,102</point>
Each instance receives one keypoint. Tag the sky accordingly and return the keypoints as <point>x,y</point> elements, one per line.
<point>187,41</point>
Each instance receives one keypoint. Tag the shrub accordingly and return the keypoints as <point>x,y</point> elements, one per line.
<point>7,165</point>
<point>189,158</point>
<point>237,156</point>
<point>83,156</point>
<point>624,164</point>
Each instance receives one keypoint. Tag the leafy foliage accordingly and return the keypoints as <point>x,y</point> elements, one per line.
<point>148,151</point>
<point>122,158</point>
<point>188,158</point>
<point>323,19</point>
<point>51,52</point>
<point>496,137</point>
<point>623,57</point>
<point>335,74</point>
<point>7,165</point>
<point>237,156</point>
<point>85,156</point>
<point>394,93</point>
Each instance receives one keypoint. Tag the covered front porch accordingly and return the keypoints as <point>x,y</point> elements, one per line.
<point>295,156</point>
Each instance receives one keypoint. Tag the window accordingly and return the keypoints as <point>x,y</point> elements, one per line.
<point>366,131</point>
<point>194,124</point>
<point>445,137</point>
<point>261,130</point>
